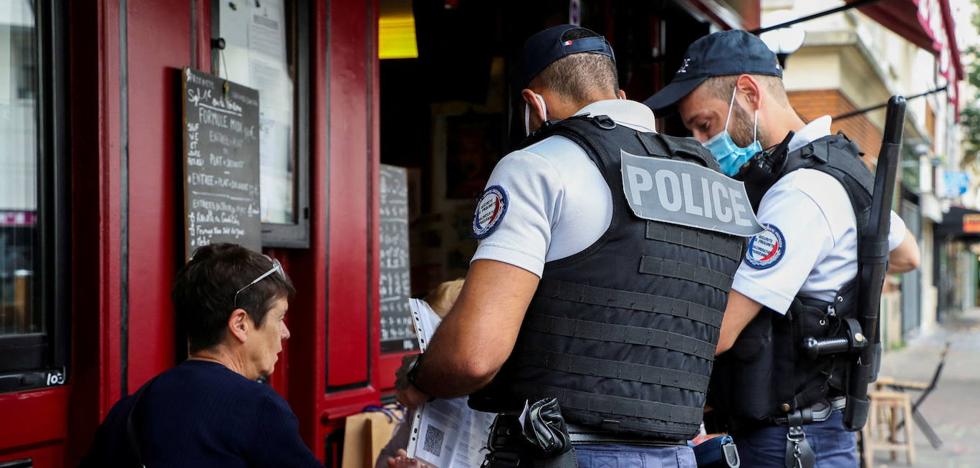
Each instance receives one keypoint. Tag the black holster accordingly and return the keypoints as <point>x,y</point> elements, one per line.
<point>542,441</point>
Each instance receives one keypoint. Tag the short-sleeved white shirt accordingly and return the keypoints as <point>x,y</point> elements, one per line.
<point>555,201</point>
<point>815,222</point>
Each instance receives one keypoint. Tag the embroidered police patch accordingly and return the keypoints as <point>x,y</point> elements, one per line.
<point>766,249</point>
<point>490,210</point>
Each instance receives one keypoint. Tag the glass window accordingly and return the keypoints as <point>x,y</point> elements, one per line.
<point>18,169</point>
<point>263,51</point>
<point>33,329</point>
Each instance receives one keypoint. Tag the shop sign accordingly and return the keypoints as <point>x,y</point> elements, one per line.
<point>17,218</point>
<point>971,223</point>
<point>955,183</point>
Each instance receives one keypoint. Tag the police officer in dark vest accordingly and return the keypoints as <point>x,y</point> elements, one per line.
<point>798,280</point>
<point>591,311</point>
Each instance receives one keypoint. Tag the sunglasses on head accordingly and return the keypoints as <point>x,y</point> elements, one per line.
<point>276,268</point>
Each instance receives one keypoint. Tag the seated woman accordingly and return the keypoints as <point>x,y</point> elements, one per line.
<point>211,410</point>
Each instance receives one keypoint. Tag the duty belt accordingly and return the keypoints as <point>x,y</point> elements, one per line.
<point>584,435</point>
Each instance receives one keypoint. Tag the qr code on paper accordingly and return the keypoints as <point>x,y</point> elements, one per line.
<point>433,441</point>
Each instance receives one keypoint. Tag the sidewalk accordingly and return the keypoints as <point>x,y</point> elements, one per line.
<point>953,409</point>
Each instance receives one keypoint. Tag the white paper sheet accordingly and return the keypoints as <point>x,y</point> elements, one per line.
<point>255,56</point>
<point>445,433</point>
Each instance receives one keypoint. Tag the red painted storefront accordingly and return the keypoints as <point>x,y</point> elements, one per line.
<point>125,225</point>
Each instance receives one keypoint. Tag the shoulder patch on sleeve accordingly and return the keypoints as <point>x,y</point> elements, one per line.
<point>490,210</point>
<point>766,248</point>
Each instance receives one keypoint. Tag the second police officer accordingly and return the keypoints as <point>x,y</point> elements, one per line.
<point>798,276</point>
<point>582,306</point>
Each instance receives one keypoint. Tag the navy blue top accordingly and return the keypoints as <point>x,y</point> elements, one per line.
<point>202,414</point>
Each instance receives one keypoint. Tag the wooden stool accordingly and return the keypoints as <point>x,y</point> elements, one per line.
<point>881,432</point>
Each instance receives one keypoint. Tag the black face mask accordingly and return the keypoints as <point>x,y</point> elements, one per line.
<point>763,170</point>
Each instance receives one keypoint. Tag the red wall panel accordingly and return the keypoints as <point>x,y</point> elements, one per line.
<point>331,367</point>
<point>306,349</point>
<point>31,419</point>
<point>158,46</point>
<point>94,103</point>
<point>351,235</point>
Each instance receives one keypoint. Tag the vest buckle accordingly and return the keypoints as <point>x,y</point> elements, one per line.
<point>604,122</point>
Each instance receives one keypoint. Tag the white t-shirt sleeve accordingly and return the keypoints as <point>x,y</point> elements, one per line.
<point>532,193</point>
<point>897,232</point>
<point>778,261</point>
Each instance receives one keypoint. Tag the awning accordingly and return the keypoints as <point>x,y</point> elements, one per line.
<point>928,24</point>
<point>960,222</point>
<point>907,18</point>
<point>713,11</point>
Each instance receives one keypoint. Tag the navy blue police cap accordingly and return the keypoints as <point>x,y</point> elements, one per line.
<point>548,46</point>
<point>719,54</point>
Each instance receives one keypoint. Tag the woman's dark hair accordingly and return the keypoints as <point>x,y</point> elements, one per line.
<point>204,291</point>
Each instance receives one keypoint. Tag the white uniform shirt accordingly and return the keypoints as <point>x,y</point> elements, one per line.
<point>549,201</point>
<point>811,216</point>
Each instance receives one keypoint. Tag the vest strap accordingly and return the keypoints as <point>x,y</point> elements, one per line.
<point>651,145</point>
<point>598,331</point>
<point>613,405</point>
<point>615,370</point>
<point>872,251</point>
<point>685,271</point>
<point>724,246</point>
<point>594,295</point>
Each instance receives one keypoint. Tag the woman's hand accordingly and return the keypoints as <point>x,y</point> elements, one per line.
<point>401,460</point>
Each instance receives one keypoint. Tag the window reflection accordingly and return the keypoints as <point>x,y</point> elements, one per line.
<point>18,169</point>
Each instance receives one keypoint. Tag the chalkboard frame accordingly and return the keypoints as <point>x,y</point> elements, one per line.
<point>253,232</point>
<point>395,274</point>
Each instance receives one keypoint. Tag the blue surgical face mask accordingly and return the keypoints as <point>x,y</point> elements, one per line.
<point>730,156</point>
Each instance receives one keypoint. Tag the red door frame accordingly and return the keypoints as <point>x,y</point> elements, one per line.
<point>36,423</point>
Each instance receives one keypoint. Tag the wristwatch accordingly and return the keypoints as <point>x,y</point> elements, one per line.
<point>412,375</point>
<point>413,370</point>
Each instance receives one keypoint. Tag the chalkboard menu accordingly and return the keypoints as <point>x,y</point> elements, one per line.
<point>397,333</point>
<point>221,162</point>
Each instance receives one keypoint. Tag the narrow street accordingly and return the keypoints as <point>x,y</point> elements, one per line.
<point>953,409</point>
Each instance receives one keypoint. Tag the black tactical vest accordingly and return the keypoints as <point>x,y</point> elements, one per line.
<point>624,332</point>
<point>767,374</point>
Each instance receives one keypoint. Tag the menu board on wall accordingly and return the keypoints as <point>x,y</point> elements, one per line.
<point>397,331</point>
<point>221,162</point>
